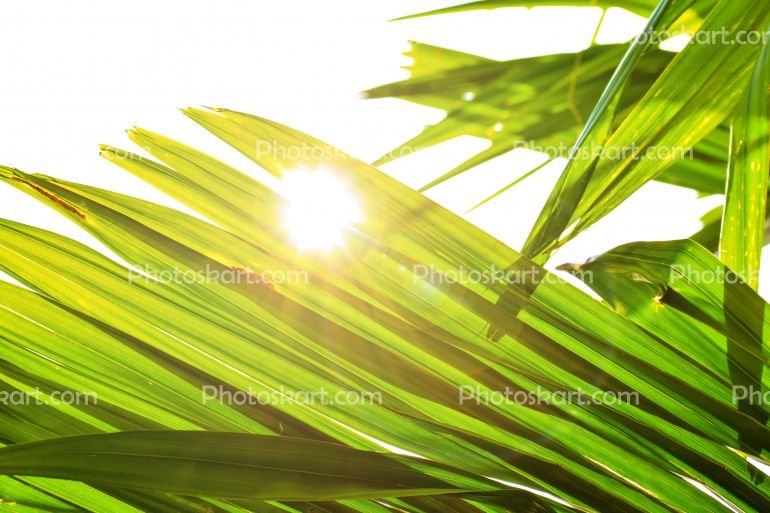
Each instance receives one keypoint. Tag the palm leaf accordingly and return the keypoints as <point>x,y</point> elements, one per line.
<point>590,188</point>
<point>372,324</point>
<point>747,175</point>
<point>640,7</point>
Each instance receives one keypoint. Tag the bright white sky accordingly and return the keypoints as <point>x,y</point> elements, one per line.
<point>78,73</point>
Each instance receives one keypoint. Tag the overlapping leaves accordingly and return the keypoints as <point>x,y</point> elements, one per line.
<point>364,320</point>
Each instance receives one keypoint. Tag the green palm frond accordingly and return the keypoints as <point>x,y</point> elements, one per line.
<point>743,221</point>
<point>676,112</point>
<point>535,103</point>
<point>608,97</point>
<point>366,319</point>
<point>640,7</point>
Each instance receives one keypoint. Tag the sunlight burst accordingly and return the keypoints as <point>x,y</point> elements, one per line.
<point>319,208</point>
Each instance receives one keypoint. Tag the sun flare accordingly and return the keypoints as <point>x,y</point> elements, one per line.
<point>319,208</point>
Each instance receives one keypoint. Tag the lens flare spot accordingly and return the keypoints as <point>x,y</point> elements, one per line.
<point>319,209</point>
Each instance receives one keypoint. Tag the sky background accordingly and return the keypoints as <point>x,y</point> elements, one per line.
<point>79,73</point>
